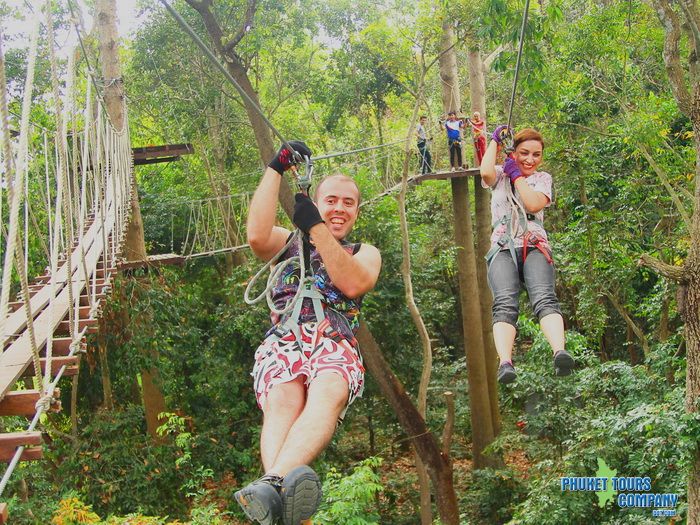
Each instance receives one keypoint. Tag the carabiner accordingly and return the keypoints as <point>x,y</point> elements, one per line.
<point>304,181</point>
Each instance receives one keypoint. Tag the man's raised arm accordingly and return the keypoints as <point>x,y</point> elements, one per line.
<point>264,237</point>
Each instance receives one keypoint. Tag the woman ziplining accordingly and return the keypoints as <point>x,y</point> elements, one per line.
<point>520,251</point>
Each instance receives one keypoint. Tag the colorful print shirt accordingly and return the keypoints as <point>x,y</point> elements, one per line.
<point>342,312</point>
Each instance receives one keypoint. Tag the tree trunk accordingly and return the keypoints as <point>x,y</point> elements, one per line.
<point>437,463</point>
<point>107,397</point>
<point>686,91</point>
<point>479,395</point>
<point>135,246</point>
<point>426,514</point>
<point>482,206</point>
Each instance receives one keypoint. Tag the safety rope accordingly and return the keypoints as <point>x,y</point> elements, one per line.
<point>17,182</point>
<point>517,62</point>
<point>63,165</point>
<point>295,261</point>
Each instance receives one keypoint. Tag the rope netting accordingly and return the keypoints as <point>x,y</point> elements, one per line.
<point>64,204</point>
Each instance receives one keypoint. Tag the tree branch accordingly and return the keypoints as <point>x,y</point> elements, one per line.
<point>672,33</point>
<point>675,273</point>
<point>245,27</point>
<point>492,56</point>
<point>203,7</point>
<point>690,10</point>
<point>630,322</point>
<point>664,180</point>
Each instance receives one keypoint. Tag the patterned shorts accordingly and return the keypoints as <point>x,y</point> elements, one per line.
<point>280,360</point>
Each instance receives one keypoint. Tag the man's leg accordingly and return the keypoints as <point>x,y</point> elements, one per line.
<point>314,428</point>
<point>282,407</point>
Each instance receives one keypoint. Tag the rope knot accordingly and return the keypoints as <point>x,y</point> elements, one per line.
<point>45,402</point>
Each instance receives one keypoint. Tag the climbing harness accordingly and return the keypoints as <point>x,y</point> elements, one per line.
<point>517,224</point>
<point>306,288</point>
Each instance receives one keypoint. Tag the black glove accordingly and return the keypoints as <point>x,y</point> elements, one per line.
<point>284,158</point>
<point>306,213</point>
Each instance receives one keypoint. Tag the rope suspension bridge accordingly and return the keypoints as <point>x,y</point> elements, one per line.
<point>70,192</point>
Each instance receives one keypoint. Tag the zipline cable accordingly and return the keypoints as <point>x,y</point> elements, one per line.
<point>517,62</point>
<point>343,153</point>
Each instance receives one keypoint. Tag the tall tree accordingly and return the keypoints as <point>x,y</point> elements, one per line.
<point>677,19</point>
<point>134,244</point>
<point>479,397</point>
<point>482,208</point>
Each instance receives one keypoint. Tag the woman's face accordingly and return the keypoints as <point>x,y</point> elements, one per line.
<point>528,156</point>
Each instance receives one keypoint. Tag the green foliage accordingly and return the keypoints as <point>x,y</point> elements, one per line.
<point>349,499</point>
<point>341,75</point>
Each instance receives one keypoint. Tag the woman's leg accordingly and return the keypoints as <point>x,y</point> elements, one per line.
<point>504,282</point>
<point>538,274</point>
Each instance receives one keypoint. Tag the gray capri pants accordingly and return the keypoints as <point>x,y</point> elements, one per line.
<point>504,280</point>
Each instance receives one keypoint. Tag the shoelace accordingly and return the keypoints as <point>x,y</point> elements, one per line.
<point>271,479</point>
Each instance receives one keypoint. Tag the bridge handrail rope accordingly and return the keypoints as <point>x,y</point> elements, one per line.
<point>101,187</point>
<point>17,180</point>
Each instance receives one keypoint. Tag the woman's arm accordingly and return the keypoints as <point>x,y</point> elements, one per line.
<point>488,164</point>
<point>532,200</point>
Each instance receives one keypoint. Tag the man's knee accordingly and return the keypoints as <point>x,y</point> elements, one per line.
<point>329,388</point>
<point>287,398</point>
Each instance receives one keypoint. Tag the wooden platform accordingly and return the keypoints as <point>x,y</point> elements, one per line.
<point>446,174</point>
<point>156,154</point>
<point>163,259</point>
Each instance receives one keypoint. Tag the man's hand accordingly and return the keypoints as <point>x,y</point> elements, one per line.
<point>500,133</point>
<point>285,158</point>
<point>306,214</point>
<point>510,168</point>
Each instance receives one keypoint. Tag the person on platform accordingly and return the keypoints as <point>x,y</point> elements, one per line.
<point>478,136</point>
<point>520,252</point>
<point>306,375</point>
<point>423,143</point>
<point>454,126</point>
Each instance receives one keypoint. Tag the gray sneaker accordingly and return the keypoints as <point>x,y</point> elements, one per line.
<point>506,373</point>
<point>260,500</point>
<point>563,363</point>
<point>301,495</point>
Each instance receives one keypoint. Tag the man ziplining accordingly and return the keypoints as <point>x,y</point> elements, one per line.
<point>308,369</point>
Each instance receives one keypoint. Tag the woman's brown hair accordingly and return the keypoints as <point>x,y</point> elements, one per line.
<point>527,134</point>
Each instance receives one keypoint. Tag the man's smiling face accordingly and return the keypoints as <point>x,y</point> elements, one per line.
<point>338,202</point>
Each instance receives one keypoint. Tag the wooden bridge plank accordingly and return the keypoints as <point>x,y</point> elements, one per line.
<point>29,454</point>
<point>443,175</point>
<point>56,364</point>
<point>4,515</point>
<point>49,318</point>
<point>17,321</point>
<point>22,402</point>
<point>16,439</point>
